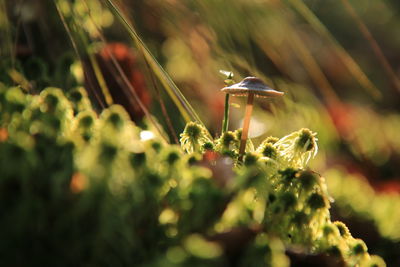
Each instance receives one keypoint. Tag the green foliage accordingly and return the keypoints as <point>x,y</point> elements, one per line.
<point>37,131</point>
<point>87,190</point>
<point>277,190</point>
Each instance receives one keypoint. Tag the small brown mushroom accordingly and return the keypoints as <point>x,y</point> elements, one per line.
<point>250,87</point>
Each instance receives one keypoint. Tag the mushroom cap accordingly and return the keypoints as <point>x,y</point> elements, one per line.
<point>251,85</point>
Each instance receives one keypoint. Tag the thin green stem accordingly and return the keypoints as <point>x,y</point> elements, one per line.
<point>225,122</point>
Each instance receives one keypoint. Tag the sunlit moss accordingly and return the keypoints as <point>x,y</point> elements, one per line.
<point>207,146</point>
<point>288,200</point>
<point>193,137</point>
<point>288,175</point>
<point>251,159</point>
<point>137,159</point>
<point>358,247</point>
<point>308,180</point>
<point>79,99</point>
<point>115,116</point>
<point>100,173</point>
<point>306,140</point>
<point>298,147</point>
<point>202,248</point>
<point>317,201</point>
<point>375,261</point>
<point>343,230</point>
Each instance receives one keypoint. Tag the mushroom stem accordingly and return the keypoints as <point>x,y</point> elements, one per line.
<point>225,122</point>
<point>246,124</point>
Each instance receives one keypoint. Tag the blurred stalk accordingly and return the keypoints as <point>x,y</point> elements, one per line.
<point>272,54</point>
<point>163,108</point>
<point>348,61</point>
<point>18,78</point>
<point>309,62</point>
<point>184,107</point>
<point>374,45</point>
<point>131,92</point>
<point>100,78</point>
<point>6,43</point>
<point>125,83</point>
<point>228,81</point>
<point>83,40</point>
<point>79,48</point>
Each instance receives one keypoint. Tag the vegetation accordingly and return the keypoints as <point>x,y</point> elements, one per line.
<point>113,196</point>
<point>104,160</point>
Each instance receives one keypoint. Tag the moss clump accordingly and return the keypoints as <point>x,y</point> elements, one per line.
<point>268,150</point>
<point>137,159</point>
<point>317,201</point>
<point>208,146</point>
<point>250,159</point>
<point>288,175</point>
<point>359,247</point>
<point>343,230</point>
<point>306,140</point>
<point>172,157</point>
<point>308,180</point>
<point>71,179</point>
<point>288,200</point>
<point>194,136</point>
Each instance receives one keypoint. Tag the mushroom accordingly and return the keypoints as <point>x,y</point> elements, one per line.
<point>250,87</point>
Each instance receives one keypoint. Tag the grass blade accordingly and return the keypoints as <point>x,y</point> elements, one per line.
<point>77,44</point>
<point>374,45</point>
<point>6,39</point>
<point>349,62</point>
<point>186,110</point>
<point>81,46</point>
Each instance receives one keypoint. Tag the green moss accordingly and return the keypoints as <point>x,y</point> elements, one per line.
<point>76,96</point>
<point>227,139</point>
<point>268,150</point>
<point>308,180</point>
<point>334,251</point>
<point>316,201</point>
<point>193,130</point>
<point>172,157</point>
<point>137,159</point>
<point>359,247</point>
<point>208,146</point>
<point>343,230</point>
<point>376,261</point>
<point>288,175</point>
<point>271,198</point>
<point>288,200</point>
<point>156,145</point>
<point>85,120</point>
<point>108,152</point>
<point>306,140</point>
<point>300,218</point>
<point>251,159</point>
<point>140,202</point>
<point>328,230</point>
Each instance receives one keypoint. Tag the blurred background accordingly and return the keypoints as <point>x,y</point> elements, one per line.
<point>338,63</point>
